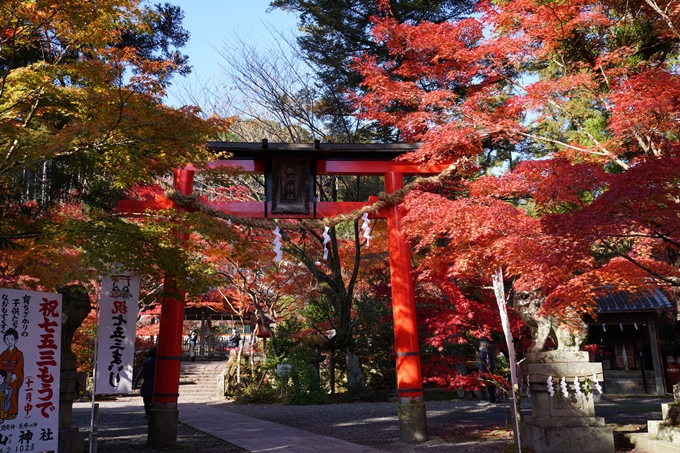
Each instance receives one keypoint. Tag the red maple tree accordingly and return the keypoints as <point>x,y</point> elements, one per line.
<point>589,88</point>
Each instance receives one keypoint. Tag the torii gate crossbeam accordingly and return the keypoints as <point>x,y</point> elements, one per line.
<point>356,160</point>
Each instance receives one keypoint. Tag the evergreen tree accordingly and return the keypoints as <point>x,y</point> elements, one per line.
<point>334,32</point>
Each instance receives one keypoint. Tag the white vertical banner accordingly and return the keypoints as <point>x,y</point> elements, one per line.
<point>117,325</point>
<point>30,326</point>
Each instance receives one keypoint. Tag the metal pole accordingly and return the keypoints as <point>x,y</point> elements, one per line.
<point>94,428</point>
<point>94,414</point>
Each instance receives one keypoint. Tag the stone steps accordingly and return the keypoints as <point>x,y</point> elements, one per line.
<point>644,442</point>
<point>198,380</point>
<point>661,436</point>
<point>628,382</point>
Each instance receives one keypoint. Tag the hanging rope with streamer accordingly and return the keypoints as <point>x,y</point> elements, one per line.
<point>580,388</point>
<point>384,200</point>
<point>551,388</point>
<point>563,386</point>
<point>278,244</point>
<point>577,386</point>
<point>596,383</point>
<point>366,226</point>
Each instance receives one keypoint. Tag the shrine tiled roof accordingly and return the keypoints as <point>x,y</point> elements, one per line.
<point>650,299</point>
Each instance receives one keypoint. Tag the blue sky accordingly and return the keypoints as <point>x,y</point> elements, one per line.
<point>210,22</point>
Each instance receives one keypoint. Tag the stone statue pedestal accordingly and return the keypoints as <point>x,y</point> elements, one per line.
<point>559,424</point>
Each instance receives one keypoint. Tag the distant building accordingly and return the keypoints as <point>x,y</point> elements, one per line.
<point>626,340</point>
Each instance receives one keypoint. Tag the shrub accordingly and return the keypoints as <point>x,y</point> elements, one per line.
<point>302,384</point>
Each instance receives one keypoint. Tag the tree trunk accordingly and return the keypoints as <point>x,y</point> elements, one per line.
<point>331,370</point>
<point>674,260</point>
<point>238,360</point>
<point>355,376</point>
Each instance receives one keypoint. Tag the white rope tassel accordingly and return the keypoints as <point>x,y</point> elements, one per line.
<point>551,389</point>
<point>596,383</point>
<point>366,226</point>
<point>326,240</point>
<point>565,389</point>
<point>577,386</point>
<point>278,244</point>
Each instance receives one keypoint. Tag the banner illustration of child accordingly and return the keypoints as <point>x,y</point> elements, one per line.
<point>5,395</point>
<point>12,361</point>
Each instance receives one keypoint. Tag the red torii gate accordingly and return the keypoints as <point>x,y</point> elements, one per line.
<point>324,159</point>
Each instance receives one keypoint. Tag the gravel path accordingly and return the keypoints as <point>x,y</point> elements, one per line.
<point>460,426</point>
<point>454,426</point>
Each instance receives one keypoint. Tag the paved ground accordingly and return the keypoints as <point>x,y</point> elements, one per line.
<point>122,429</point>
<point>454,426</point>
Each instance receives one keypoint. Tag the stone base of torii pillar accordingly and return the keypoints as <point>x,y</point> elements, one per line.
<point>163,422</point>
<point>560,424</point>
<point>412,420</point>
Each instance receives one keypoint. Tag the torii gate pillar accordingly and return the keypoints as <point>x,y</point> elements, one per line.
<point>412,414</point>
<point>164,416</point>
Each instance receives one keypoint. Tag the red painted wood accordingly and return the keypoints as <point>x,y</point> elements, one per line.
<point>374,167</point>
<point>246,209</point>
<point>130,207</point>
<point>338,167</point>
<point>409,378</point>
<point>333,209</point>
<point>250,209</point>
<point>166,380</point>
<point>255,209</point>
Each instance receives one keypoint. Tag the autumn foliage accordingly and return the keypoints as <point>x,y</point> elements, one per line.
<point>82,120</point>
<point>585,95</point>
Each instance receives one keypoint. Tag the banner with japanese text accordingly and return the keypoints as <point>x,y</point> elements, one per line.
<point>30,325</point>
<point>117,325</point>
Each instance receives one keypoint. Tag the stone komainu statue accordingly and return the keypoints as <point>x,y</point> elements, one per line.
<point>568,331</point>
